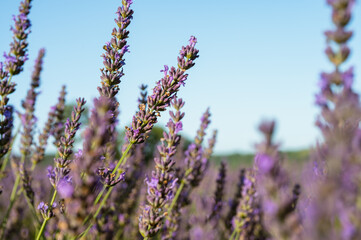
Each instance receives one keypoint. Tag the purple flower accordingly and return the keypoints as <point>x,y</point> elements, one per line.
<point>192,41</point>
<point>65,187</point>
<point>9,59</point>
<point>347,77</point>
<point>264,162</point>
<point>51,175</point>
<point>41,205</point>
<point>17,56</point>
<point>321,100</point>
<point>46,210</point>
<point>109,178</point>
<point>8,113</point>
<point>65,145</point>
<point>163,181</point>
<point>324,82</point>
<point>163,93</point>
<point>165,70</point>
<point>152,186</point>
<point>124,50</point>
<point>178,127</point>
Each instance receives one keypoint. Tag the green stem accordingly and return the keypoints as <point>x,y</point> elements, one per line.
<point>179,190</point>
<point>123,158</point>
<point>99,195</point>
<point>10,77</point>
<point>32,167</point>
<point>174,201</point>
<point>233,235</point>
<point>12,201</point>
<point>42,229</point>
<point>33,211</point>
<point>118,235</point>
<point>46,219</point>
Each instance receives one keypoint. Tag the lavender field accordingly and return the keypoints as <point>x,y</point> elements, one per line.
<point>84,174</point>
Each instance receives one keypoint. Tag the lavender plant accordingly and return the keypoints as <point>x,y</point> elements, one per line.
<point>333,211</point>
<point>97,192</point>
<point>196,162</point>
<point>59,177</point>
<point>273,185</point>
<point>144,120</point>
<point>248,223</point>
<point>13,65</point>
<point>162,182</point>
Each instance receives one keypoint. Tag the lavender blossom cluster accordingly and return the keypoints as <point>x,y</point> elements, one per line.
<point>106,188</point>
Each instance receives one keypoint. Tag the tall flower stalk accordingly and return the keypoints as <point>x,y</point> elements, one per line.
<point>28,121</point>
<point>48,128</point>
<point>196,163</point>
<point>58,125</point>
<point>113,58</point>
<point>333,210</point>
<point>218,195</point>
<point>89,167</point>
<point>247,223</point>
<point>235,200</point>
<point>13,65</point>
<point>144,120</point>
<point>59,177</point>
<point>281,220</point>
<point>162,182</point>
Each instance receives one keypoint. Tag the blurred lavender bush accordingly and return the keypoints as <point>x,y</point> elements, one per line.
<point>126,188</point>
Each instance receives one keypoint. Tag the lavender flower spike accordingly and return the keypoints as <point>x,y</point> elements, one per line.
<point>17,55</point>
<point>14,61</point>
<point>59,176</point>
<point>333,212</point>
<point>235,200</point>
<point>218,195</point>
<point>58,126</point>
<point>90,163</point>
<point>28,119</point>
<point>273,185</point>
<point>6,126</point>
<point>114,52</point>
<point>113,61</point>
<point>196,164</point>
<point>196,160</point>
<point>39,152</point>
<point>162,182</point>
<point>247,223</point>
<point>165,90</point>
<point>65,144</point>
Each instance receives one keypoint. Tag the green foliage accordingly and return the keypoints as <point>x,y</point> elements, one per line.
<point>236,160</point>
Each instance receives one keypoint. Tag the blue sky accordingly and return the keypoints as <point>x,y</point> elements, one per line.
<point>258,59</point>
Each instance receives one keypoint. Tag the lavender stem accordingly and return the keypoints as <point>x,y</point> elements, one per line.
<point>42,228</point>
<point>179,190</point>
